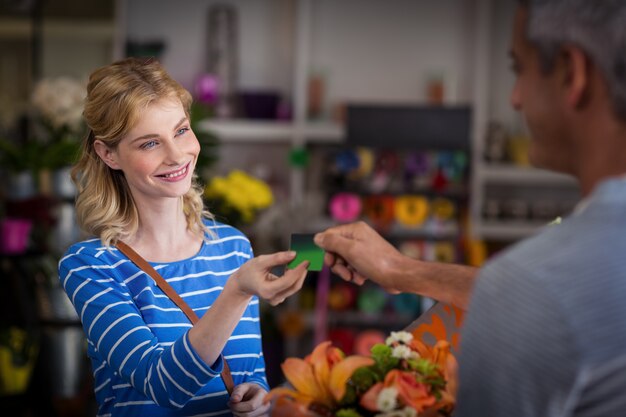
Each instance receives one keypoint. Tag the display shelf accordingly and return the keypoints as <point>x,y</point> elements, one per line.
<point>505,182</point>
<point>21,28</point>
<point>362,319</point>
<point>509,173</point>
<point>241,130</point>
<point>430,230</point>
<point>507,230</point>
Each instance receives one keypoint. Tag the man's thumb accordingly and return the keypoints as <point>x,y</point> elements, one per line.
<point>331,242</point>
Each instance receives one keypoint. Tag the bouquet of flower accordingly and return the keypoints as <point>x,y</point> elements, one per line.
<point>401,378</point>
<point>238,197</point>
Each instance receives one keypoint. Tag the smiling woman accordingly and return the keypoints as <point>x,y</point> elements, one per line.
<point>157,155</point>
<point>137,188</point>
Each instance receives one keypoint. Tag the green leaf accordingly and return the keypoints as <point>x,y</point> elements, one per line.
<point>347,412</point>
<point>18,157</point>
<point>380,350</point>
<point>60,154</point>
<point>208,142</point>
<point>381,353</point>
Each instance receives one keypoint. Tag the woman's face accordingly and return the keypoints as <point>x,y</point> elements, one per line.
<point>158,155</point>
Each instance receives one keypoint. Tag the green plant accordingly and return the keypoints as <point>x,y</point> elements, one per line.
<point>34,156</point>
<point>208,141</point>
<point>17,158</point>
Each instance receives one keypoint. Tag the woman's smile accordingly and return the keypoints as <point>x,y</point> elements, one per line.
<point>177,175</point>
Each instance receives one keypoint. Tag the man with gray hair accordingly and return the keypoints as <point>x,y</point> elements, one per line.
<point>545,334</point>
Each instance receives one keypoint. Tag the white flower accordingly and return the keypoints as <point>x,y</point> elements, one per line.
<point>60,101</point>
<point>399,337</point>
<point>409,412</point>
<point>387,399</point>
<point>402,352</point>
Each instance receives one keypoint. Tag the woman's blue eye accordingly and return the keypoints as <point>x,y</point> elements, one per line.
<point>149,145</point>
<point>181,131</point>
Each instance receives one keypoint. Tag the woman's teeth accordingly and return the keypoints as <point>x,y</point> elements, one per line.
<point>176,174</point>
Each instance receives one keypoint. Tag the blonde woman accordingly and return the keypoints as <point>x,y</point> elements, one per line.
<point>136,185</point>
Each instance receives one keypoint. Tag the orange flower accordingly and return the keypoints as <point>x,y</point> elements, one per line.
<point>422,380</point>
<point>319,378</point>
<point>410,392</point>
<point>369,400</point>
<point>442,356</point>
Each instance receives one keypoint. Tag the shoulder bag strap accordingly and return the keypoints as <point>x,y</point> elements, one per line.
<point>173,295</point>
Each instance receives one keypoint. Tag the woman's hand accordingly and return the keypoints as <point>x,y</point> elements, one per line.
<point>255,277</point>
<point>247,401</point>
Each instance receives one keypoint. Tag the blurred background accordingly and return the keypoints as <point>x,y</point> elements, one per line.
<point>310,112</point>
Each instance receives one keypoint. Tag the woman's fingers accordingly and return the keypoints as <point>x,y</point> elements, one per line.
<point>292,289</point>
<point>262,410</point>
<point>275,259</point>
<point>247,400</point>
<point>274,288</point>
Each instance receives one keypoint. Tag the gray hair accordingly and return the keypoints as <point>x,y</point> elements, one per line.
<point>598,27</point>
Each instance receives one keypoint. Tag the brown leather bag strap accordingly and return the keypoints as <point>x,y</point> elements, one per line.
<point>177,299</point>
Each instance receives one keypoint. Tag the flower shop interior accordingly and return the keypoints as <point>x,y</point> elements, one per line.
<point>310,113</point>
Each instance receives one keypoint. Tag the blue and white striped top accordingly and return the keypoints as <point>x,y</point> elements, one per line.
<point>137,338</point>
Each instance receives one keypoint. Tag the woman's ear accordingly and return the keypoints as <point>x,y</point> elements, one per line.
<point>108,155</point>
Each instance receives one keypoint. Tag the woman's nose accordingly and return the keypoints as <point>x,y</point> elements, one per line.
<point>175,154</point>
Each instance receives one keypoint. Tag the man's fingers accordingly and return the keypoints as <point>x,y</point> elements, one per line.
<point>329,258</point>
<point>358,279</point>
<point>330,240</point>
<point>343,272</point>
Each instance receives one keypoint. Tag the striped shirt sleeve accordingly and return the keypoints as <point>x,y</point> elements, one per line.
<point>168,375</point>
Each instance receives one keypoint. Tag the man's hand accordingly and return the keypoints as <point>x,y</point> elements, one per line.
<point>356,252</point>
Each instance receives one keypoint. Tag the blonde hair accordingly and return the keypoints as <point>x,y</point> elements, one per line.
<point>116,96</point>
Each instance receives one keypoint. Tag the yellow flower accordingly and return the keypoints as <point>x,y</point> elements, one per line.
<point>240,192</point>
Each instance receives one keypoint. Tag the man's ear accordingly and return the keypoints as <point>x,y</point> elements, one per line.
<point>577,76</point>
<point>108,155</point>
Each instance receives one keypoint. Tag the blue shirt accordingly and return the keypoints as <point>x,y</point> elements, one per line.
<point>137,338</point>
<point>545,335</point>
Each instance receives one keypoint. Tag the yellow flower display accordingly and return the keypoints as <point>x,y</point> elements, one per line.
<point>238,196</point>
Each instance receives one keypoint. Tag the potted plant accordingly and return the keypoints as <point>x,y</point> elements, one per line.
<point>21,162</point>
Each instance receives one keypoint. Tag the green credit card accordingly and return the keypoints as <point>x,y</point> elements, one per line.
<point>306,250</point>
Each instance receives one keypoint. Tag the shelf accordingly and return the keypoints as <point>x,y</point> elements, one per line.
<point>239,130</point>
<point>21,28</point>
<point>507,173</point>
<point>507,230</point>
<point>430,230</point>
<point>363,319</point>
